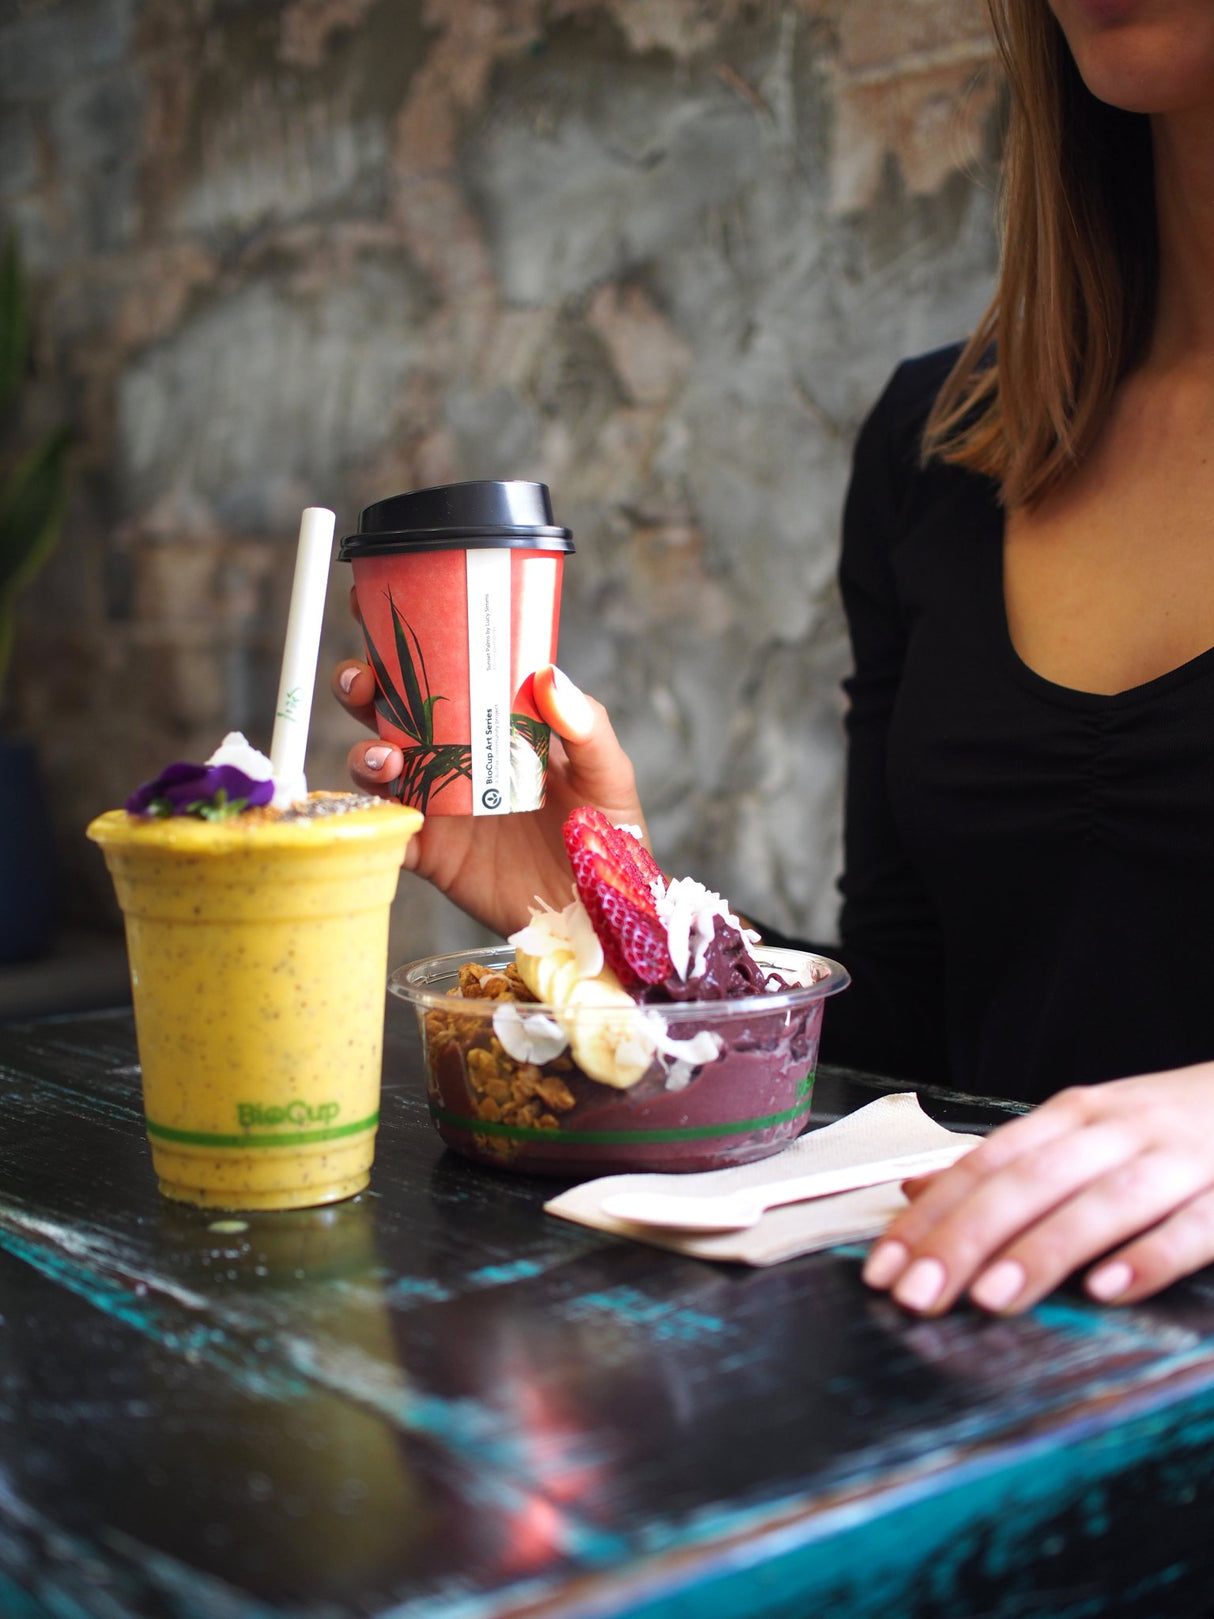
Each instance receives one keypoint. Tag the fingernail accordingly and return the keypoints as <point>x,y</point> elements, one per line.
<point>1110,1281</point>
<point>997,1287</point>
<point>347,678</point>
<point>375,758</point>
<point>922,1285</point>
<point>886,1262</point>
<point>574,708</point>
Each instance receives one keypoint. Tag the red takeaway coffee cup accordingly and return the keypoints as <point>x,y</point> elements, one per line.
<point>459,592</point>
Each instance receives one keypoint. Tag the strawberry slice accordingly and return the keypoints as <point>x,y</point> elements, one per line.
<point>613,872</point>
<point>646,864</point>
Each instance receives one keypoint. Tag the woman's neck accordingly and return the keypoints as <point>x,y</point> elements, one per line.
<point>1184,191</point>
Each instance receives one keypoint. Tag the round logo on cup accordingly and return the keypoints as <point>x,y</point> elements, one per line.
<point>491,798</point>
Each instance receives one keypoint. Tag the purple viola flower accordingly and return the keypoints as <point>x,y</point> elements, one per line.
<point>212,792</point>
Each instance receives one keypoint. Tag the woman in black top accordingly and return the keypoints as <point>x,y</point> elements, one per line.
<point>1028,576</point>
<point>1030,866</point>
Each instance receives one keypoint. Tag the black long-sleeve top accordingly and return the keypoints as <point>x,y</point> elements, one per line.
<point>1028,893</point>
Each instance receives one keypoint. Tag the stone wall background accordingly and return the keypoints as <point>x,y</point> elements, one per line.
<point>660,254</point>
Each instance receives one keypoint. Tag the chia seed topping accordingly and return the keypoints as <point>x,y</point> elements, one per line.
<point>321,804</point>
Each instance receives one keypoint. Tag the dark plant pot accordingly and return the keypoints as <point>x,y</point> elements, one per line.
<point>29,879</point>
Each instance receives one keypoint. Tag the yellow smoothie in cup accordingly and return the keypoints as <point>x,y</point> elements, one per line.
<point>258,956</point>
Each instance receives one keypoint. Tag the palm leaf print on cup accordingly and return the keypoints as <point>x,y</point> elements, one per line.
<point>528,761</point>
<point>429,765</point>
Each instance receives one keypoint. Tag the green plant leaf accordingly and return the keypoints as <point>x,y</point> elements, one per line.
<point>14,321</point>
<point>440,773</point>
<point>34,493</point>
<point>219,808</point>
<point>428,707</point>
<point>427,770</point>
<point>32,505</point>
<point>411,785</point>
<point>31,510</point>
<point>390,712</point>
<point>533,731</point>
<point>419,707</point>
<point>388,701</point>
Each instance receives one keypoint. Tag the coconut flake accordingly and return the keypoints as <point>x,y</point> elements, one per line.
<point>689,912</point>
<point>680,1058</point>
<point>528,1037</point>
<point>801,977</point>
<point>570,929</point>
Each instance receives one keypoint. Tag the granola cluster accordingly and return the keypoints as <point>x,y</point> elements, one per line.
<point>502,1090</point>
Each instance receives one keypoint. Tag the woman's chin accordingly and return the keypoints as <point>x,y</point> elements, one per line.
<point>1143,56</point>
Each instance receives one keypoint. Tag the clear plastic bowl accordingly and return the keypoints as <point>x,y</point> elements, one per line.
<point>548,1116</point>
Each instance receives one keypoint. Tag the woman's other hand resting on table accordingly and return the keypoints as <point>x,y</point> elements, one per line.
<point>1119,1177</point>
<point>493,866</point>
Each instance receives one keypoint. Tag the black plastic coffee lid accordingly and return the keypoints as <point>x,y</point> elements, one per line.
<point>460,516</point>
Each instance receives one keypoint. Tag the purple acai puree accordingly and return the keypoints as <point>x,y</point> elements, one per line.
<point>730,972</point>
<point>744,1106</point>
<point>765,1072</point>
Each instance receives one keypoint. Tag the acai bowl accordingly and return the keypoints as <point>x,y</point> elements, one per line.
<point>681,1086</point>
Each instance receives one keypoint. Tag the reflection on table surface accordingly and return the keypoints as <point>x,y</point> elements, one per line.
<point>435,1400</point>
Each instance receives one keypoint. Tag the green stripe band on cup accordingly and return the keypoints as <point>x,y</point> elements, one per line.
<point>616,1138</point>
<point>259,1138</point>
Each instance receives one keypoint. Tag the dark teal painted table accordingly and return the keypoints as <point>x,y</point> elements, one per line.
<point>436,1402</point>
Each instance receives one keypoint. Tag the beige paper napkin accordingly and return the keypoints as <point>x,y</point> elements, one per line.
<point>887,1128</point>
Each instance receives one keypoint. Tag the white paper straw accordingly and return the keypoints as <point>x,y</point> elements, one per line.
<point>293,710</point>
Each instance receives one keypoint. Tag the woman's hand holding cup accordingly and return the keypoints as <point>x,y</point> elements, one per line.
<point>494,866</point>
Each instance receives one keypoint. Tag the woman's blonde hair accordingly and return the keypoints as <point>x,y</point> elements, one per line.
<point>1076,292</point>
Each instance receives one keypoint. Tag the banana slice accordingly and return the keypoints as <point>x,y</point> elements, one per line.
<point>607,1039</point>
<point>552,977</point>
